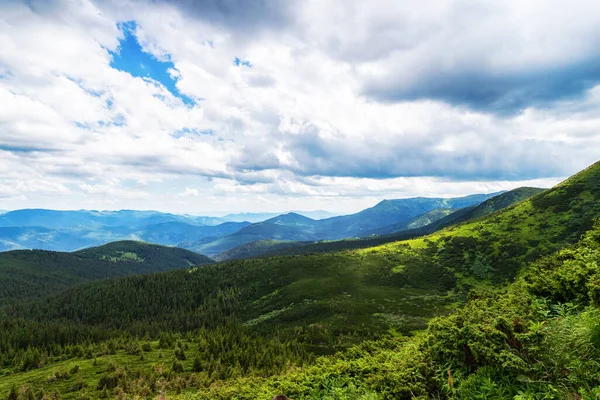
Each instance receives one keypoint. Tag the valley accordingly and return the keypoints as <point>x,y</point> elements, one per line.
<point>372,322</point>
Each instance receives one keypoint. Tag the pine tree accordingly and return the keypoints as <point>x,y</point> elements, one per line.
<point>14,394</point>
<point>197,366</point>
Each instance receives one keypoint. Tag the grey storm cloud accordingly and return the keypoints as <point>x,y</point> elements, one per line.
<point>497,92</point>
<point>368,158</point>
<point>237,15</point>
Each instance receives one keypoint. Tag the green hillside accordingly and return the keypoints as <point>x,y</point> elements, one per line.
<point>429,217</point>
<point>490,206</point>
<point>256,249</point>
<point>251,328</point>
<point>419,221</point>
<point>28,274</point>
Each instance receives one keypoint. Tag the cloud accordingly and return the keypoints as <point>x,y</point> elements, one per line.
<point>344,102</point>
<point>493,57</point>
<point>499,92</point>
<point>112,190</point>
<point>189,192</point>
<point>243,16</point>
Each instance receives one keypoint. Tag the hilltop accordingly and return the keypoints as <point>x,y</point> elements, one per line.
<point>29,274</point>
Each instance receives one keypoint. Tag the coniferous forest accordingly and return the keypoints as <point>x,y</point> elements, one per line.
<point>499,306</point>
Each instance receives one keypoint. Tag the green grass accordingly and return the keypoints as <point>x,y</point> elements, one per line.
<point>59,377</point>
<point>123,256</point>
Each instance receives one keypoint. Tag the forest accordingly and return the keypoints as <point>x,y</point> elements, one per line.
<point>504,305</point>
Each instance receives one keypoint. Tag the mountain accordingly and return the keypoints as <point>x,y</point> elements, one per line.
<point>259,217</point>
<point>57,219</point>
<point>317,214</point>
<point>506,306</point>
<point>73,230</point>
<point>504,200</point>
<point>250,217</point>
<point>438,221</point>
<point>427,223</point>
<point>391,212</point>
<point>13,238</point>
<point>26,274</point>
<point>284,227</point>
<point>165,233</point>
<point>173,233</point>
<point>418,221</point>
<point>295,227</point>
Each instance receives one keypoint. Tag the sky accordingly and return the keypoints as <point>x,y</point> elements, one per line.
<point>215,106</point>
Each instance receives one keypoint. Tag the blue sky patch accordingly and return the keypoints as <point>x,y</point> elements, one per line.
<point>131,58</point>
<point>192,132</point>
<point>239,62</point>
<point>5,74</point>
<point>117,120</point>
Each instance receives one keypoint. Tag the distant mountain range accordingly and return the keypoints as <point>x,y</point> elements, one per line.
<point>421,225</point>
<point>211,236</point>
<point>296,227</point>
<point>259,217</point>
<point>74,230</point>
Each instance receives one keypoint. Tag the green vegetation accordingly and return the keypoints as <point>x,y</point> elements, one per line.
<point>30,274</point>
<point>504,306</point>
<point>256,248</point>
<point>429,218</point>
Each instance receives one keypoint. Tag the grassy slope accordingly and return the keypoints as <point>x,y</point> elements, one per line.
<point>255,249</point>
<point>490,249</point>
<point>418,222</point>
<point>525,341</point>
<point>26,274</point>
<point>525,231</point>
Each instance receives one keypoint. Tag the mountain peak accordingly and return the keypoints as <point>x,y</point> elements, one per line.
<point>290,217</point>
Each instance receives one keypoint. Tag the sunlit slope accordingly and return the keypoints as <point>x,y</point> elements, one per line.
<point>495,246</point>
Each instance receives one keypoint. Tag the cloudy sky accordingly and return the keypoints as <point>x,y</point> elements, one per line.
<point>243,105</point>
